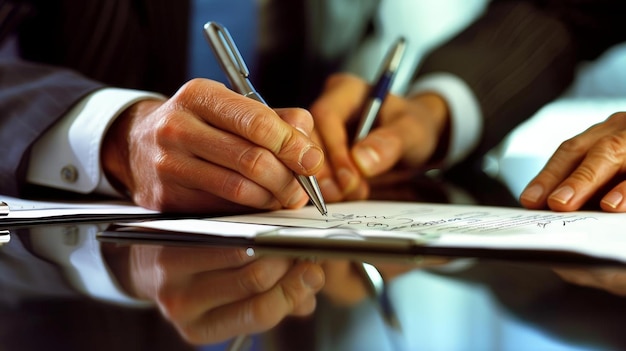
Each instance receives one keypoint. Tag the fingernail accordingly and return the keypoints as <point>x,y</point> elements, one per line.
<point>366,158</point>
<point>311,158</point>
<point>613,199</point>
<point>313,277</point>
<point>347,179</point>
<point>563,194</point>
<point>533,193</point>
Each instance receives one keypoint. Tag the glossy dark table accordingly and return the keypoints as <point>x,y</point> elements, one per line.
<point>46,304</point>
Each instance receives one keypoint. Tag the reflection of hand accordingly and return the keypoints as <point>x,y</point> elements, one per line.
<point>409,130</point>
<point>213,294</point>
<point>208,144</point>
<point>581,168</point>
<point>611,280</point>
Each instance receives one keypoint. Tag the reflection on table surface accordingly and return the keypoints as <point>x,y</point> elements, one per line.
<point>61,288</point>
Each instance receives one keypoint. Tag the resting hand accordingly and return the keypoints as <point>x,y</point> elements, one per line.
<point>213,294</point>
<point>612,280</point>
<point>408,131</point>
<point>208,148</point>
<point>583,167</point>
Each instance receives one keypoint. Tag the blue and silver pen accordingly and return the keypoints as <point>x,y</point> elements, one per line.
<point>237,72</point>
<point>379,91</point>
<point>372,278</point>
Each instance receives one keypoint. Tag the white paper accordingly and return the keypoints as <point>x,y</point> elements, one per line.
<point>596,234</point>
<point>30,209</point>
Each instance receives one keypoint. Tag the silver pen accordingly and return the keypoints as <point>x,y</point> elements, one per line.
<point>381,88</point>
<point>237,72</point>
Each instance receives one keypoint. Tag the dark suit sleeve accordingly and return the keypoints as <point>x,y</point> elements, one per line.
<point>32,98</point>
<point>68,46</point>
<point>522,54</point>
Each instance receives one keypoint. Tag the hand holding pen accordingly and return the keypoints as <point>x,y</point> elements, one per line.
<point>208,149</point>
<point>347,97</point>
<point>237,72</point>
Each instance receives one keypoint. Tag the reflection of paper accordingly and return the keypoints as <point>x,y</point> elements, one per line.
<point>463,226</point>
<point>21,209</point>
<point>5,237</point>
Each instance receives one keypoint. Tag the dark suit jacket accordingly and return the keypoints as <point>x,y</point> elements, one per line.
<point>520,55</point>
<point>516,58</point>
<point>74,47</point>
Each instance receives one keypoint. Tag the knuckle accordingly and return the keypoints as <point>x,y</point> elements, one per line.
<point>263,128</point>
<point>254,162</point>
<point>572,146</point>
<point>618,118</point>
<point>199,93</point>
<point>163,164</point>
<point>235,186</point>
<point>192,85</point>
<point>612,149</point>
<point>168,166</point>
<point>253,121</point>
<point>169,129</point>
<point>240,190</point>
<point>584,174</point>
<point>289,144</point>
<point>197,87</point>
<point>170,303</point>
<point>256,279</point>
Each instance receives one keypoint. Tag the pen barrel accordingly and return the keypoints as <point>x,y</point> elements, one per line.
<point>371,110</point>
<point>312,189</point>
<point>382,87</point>
<point>375,100</point>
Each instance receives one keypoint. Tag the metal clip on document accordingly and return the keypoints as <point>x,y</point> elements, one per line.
<point>4,209</point>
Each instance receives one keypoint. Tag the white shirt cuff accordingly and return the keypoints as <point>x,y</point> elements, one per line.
<point>465,116</point>
<point>76,250</point>
<point>68,155</point>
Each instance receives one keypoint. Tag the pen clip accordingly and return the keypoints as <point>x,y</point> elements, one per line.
<point>229,57</point>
